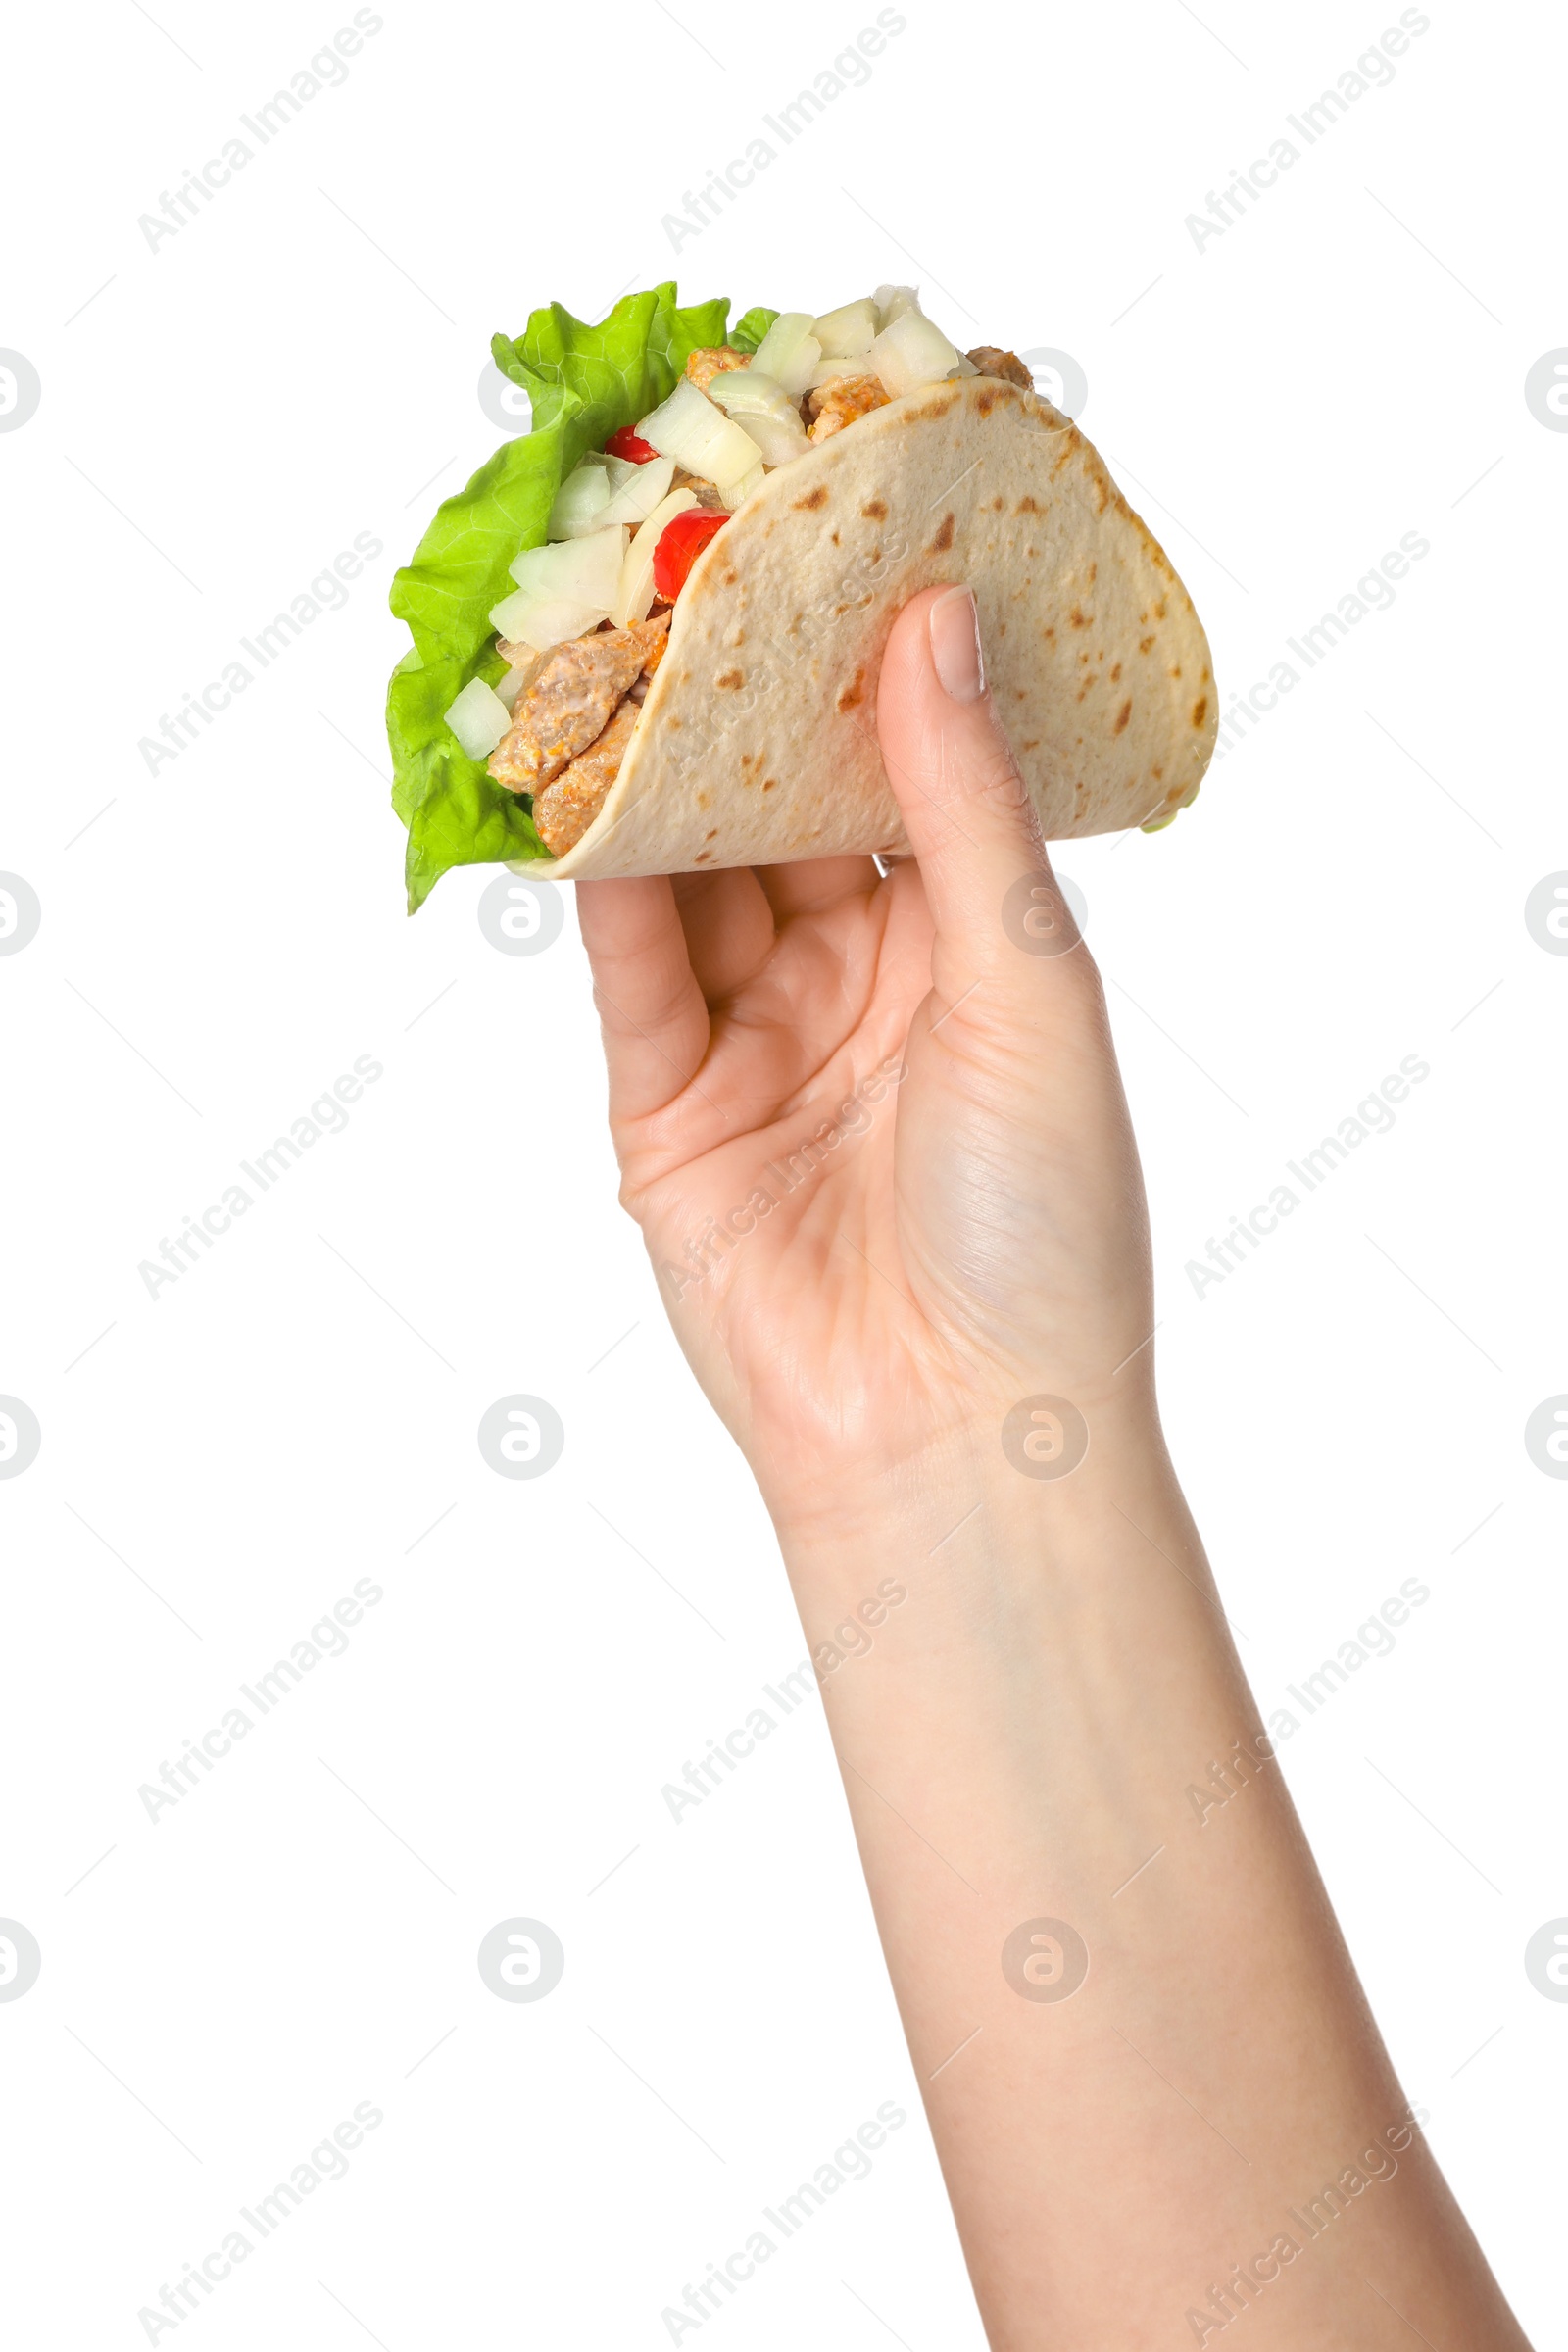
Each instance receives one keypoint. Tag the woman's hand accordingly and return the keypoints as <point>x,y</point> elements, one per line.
<point>1028,1679</point>
<point>872,1129</point>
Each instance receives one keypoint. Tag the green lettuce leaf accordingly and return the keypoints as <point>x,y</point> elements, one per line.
<point>747,332</point>
<point>583,384</point>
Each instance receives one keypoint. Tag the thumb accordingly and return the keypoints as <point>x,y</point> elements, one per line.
<point>966,809</point>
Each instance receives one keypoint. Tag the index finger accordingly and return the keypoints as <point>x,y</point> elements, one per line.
<point>651,1010</point>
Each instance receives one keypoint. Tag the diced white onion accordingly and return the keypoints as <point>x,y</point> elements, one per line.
<point>909,353</point>
<point>893,301</point>
<point>834,371</point>
<point>586,570</point>
<point>696,434</point>
<point>765,410</point>
<point>478,719</point>
<point>524,619</point>
<point>641,493</point>
<point>788,352</point>
<point>580,501</point>
<point>636,595</point>
<point>740,491</point>
<point>847,331</point>
<point>966,365</point>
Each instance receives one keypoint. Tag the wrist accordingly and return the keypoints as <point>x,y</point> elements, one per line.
<point>1043,1492</point>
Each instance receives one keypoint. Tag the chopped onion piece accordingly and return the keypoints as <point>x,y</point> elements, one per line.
<point>788,353</point>
<point>766,413</point>
<point>846,332</point>
<point>524,619</point>
<point>478,719</point>
<point>909,353</point>
<point>586,570</point>
<point>636,594</point>
<point>966,365</point>
<point>893,301</point>
<point>834,371</point>
<point>692,431</point>
<point>580,501</point>
<point>741,490</point>
<point>636,500</point>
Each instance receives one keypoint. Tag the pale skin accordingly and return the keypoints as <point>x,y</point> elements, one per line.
<point>1020,1736</point>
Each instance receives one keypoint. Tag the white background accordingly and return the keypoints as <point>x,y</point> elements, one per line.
<point>219,417</point>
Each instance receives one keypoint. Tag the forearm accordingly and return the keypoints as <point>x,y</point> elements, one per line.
<point>1032,1736</point>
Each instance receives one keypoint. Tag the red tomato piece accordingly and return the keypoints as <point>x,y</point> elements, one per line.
<point>629,443</point>
<point>681,543</point>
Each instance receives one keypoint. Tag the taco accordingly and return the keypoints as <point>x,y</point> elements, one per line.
<point>647,635</point>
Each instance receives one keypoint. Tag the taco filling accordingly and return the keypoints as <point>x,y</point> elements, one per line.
<point>588,622</point>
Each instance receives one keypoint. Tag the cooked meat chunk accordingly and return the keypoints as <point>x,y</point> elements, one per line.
<point>717,359</point>
<point>1005,364</point>
<point>566,702</point>
<point>565,810</point>
<point>836,404</point>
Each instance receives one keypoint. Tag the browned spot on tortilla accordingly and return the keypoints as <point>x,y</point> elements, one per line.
<point>702,854</point>
<point>1159,610</point>
<point>769,783</point>
<point>985,400</point>
<point>1175,671</point>
<point>738,637</point>
<point>1123,716</point>
<point>1031,745</point>
<point>1200,710</point>
<point>854,691</point>
<point>731,678</point>
<point>1115,673</point>
<point>944,537</point>
<point>996,505</point>
<point>1094,572</point>
<point>1047,632</point>
<point>711,834</point>
<point>1159,774</point>
<point>1143,643</point>
<point>835,537</point>
<point>673,722</point>
<point>876,510</point>
<point>812,499</point>
<point>1078,618</point>
<point>1028,506</point>
<point>937,407</point>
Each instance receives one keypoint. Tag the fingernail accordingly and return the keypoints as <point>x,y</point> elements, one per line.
<point>955,645</point>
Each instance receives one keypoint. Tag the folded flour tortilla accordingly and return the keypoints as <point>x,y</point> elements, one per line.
<point>749,735</point>
<point>757,743</point>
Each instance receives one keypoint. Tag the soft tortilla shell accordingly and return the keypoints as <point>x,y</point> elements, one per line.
<point>757,741</point>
